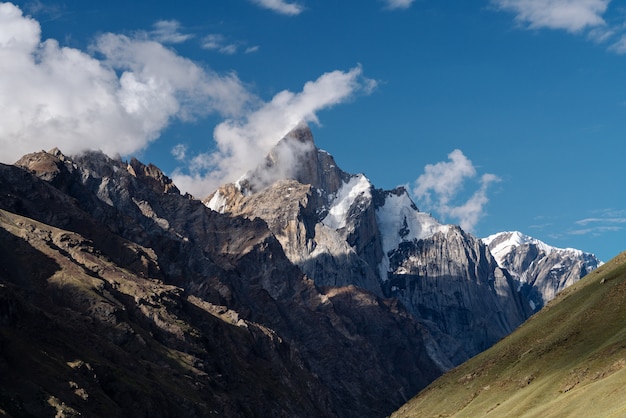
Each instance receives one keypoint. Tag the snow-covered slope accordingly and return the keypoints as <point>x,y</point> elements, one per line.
<point>503,243</point>
<point>540,269</point>
<point>344,199</point>
<point>399,221</point>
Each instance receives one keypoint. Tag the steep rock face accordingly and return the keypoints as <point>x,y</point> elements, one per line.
<point>295,192</point>
<point>540,269</point>
<point>354,234</point>
<point>263,338</point>
<point>451,279</point>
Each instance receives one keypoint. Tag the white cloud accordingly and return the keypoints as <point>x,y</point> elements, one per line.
<point>121,94</point>
<point>281,6</point>
<point>604,221</point>
<point>587,221</point>
<point>242,143</point>
<point>619,47</point>
<point>570,15</point>
<point>218,42</point>
<point>120,102</point>
<point>179,151</point>
<point>441,183</point>
<point>168,32</point>
<point>398,4</point>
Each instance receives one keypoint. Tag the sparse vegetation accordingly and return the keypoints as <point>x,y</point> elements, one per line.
<point>567,360</point>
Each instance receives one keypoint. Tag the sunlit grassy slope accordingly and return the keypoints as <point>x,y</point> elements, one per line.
<point>567,360</point>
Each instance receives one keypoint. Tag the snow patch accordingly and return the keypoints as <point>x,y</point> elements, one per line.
<point>507,241</point>
<point>399,221</point>
<point>358,185</point>
<point>218,203</point>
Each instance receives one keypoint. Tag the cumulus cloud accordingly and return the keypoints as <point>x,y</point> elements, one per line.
<point>117,98</point>
<point>242,143</point>
<point>281,6</point>
<point>570,15</point>
<point>398,4</point>
<point>125,90</point>
<point>440,184</point>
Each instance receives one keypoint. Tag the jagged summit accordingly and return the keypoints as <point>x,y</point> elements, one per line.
<point>295,157</point>
<point>341,230</point>
<point>94,164</point>
<point>541,269</point>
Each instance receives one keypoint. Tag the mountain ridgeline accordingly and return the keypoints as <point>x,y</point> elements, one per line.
<point>300,290</point>
<point>341,230</point>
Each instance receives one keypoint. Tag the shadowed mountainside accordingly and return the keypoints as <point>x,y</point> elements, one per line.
<point>119,296</point>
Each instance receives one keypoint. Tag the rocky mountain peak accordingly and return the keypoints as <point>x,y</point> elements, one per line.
<point>540,269</point>
<point>296,157</point>
<point>45,165</point>
<point>151,174</point>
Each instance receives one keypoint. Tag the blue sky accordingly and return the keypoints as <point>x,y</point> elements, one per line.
<point>496,114</point>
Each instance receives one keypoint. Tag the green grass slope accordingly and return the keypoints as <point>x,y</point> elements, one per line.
<point>567,360</point>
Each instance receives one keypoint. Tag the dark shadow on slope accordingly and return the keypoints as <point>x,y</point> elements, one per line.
<point>22,265</point>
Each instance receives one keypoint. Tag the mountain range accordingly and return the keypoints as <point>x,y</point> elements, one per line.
<point>299,290</point>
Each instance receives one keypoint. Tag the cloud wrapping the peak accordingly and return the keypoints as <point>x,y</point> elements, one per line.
<point>117,99</point>
<point>570,15</point>
<point>243,143</point>
<point>440,184</point>
<point>281,6</point>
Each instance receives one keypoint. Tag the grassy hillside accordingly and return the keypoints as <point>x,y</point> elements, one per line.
<point>567,360</point>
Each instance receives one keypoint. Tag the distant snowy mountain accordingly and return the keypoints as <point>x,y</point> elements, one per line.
<point>342,231</point>
<point>541,270</point>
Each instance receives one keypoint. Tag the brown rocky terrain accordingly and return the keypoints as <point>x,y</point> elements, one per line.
<point>120,296</point>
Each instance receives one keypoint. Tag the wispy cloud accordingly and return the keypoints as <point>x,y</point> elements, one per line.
<point>619,47</point>
<point>218,42</point>
<point>118,99</point>
<point>398,4</point>
<point>168,31</point>
<point>588,221</point>
<point>442,182</point>
<point>606,220</point>
<point>281,6</point>
<point>48,11</point>
<point>569,15</point>
<point>242,143</point>
<point>574,16</point>
<point>179,151</point>
<point>596,230</point>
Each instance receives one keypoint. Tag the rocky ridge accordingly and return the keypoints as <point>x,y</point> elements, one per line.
<point>540,269</point>
<point>341,230</point>
<point>122,296</point>
<point>301,290</point>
